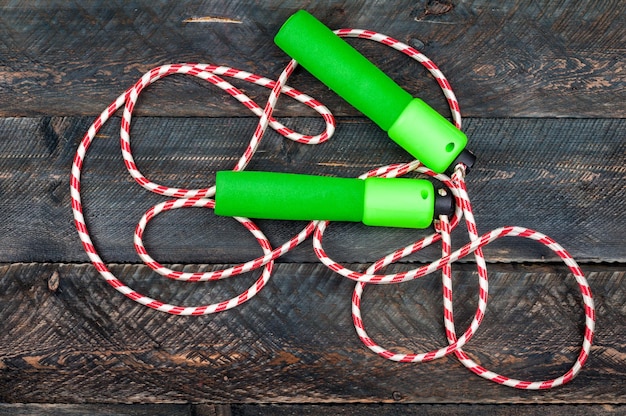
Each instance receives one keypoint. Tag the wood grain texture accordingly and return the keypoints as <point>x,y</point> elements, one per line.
<point>510,59</point>
<point>308,410</point>
<point>424,409</point>
<point>102,410</point>
<point>562,177</point>
<point>294,342</point>
<point>543,83</point>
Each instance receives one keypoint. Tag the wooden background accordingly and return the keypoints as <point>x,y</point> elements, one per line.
<point>542,85</point>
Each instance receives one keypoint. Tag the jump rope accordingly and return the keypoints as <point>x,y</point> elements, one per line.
<point>379,197</point>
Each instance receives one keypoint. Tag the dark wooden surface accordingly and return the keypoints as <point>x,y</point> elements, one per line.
<point>573,189</point>
<point>305,410</point>
<point>549,59</point>
<point>542,84</point>
<point>295,342</point>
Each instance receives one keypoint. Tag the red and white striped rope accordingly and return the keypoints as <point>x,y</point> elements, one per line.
<point>456,344</point>
<point>201,198</point>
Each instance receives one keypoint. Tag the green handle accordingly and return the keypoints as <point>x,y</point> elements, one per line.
<point>410,122</point>
<point>389,202</point>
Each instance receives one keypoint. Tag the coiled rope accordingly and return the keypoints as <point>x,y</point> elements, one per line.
<point>185,198</point>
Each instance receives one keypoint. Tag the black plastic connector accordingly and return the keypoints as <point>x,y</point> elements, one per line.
<point>465,157</point>
<point>444,202</point>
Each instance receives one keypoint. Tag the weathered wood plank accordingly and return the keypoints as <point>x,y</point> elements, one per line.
<point>424,409</point>
<point>513,59</point>
<point>562,177</point>
<point>308,410</point>
<point>100,410</point>
<point>294,342</point>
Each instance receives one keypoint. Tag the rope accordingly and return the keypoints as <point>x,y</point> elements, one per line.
<point>186,198</point>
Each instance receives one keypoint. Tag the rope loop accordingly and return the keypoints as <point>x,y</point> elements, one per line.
<point>201,198</point>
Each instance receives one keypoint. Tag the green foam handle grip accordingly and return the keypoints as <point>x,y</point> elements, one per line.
<point>388,202</point>
<point>409,121</point>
